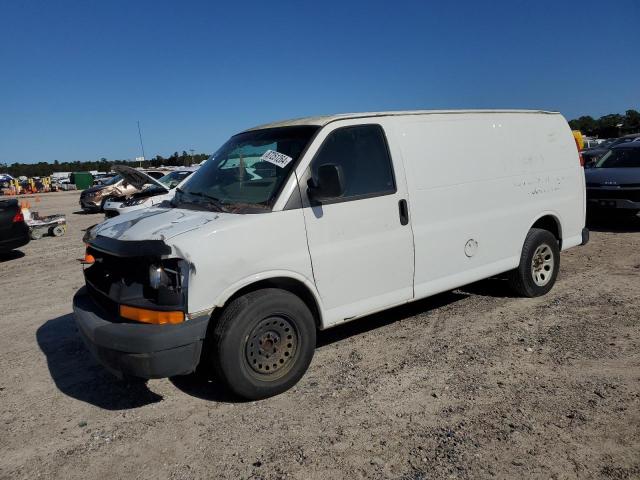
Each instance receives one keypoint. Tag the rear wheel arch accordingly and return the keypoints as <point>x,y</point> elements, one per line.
<point>550,223</point>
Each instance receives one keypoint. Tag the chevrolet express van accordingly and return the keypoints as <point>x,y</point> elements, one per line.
<point>302,225</point>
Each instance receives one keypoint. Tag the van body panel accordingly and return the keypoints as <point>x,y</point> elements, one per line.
<point>229,252</point>
<point>484,179</point>
<point>223,250</point>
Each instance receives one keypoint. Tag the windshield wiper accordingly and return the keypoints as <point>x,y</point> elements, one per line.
<point>209,199</point>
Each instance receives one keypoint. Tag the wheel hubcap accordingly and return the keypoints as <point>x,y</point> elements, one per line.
<point>542,265</point>
<point>271,345</point>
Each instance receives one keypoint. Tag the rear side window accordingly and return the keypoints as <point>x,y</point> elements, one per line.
<point>363,154</point>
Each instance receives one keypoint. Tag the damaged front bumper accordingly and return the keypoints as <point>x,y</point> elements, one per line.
<point>139,350</point>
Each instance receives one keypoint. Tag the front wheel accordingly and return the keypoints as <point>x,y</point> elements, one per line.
<point>263,343</point>
<point>539,264</point>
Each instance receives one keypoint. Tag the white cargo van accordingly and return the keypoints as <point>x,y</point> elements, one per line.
<point>302,225</point>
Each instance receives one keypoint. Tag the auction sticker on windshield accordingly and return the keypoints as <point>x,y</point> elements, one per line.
<point>277,158</point>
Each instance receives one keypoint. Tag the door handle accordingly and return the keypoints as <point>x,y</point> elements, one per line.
<point>403,211</point>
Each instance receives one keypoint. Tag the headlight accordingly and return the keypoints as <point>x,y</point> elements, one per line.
<point>157,277</point>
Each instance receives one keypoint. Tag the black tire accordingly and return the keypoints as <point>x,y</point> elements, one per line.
<point>263,343</point>
<point>522,280</point>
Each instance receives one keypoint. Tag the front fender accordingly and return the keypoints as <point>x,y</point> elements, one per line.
<point>223,297</point>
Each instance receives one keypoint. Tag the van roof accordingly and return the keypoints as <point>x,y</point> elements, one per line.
<point>323,120</point>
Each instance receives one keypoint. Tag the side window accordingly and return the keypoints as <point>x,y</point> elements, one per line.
<point>363,154</point>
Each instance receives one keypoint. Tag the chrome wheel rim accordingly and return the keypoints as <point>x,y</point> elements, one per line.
<point>271,346</point>
<point>542,265</point>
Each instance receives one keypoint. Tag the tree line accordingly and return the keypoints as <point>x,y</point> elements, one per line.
<point>608,126</point>
<point>44,169</point>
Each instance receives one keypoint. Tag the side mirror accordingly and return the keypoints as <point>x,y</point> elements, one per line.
<point>329,185</point>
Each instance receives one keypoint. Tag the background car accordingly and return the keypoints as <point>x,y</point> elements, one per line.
<point>614,181</point>
<point>152,191</point>
<point>94,198</point>
<point>592,155</point>
<point>14,232</point>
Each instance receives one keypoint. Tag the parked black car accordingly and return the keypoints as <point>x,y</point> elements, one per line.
<point>14,233</point>
<point>592,155</point>
<point>614,181</point>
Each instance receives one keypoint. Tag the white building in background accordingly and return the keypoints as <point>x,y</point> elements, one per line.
<point>61,175</point>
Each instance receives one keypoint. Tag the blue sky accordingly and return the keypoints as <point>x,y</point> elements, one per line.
<point>76,76</point>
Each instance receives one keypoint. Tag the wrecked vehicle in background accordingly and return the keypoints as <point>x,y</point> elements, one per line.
<point>151,191</point>
<point>93,198</point>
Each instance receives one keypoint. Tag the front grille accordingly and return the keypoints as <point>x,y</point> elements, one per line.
<point>621,185</point>
<point>109,272</point>
<point>103,301</point>
<point>113,281</point>
<point>110,213</point>
<point>622,194</point>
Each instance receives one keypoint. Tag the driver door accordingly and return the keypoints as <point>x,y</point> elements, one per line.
<point>361,244</point>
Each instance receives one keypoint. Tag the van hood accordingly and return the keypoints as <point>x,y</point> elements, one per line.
<point>155,224</point>
<point>137,178</point>
<point>612,176</point>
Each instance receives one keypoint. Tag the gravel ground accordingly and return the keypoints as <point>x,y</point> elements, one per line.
<point>473,383</point>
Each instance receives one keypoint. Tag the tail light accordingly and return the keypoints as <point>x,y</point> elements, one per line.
<point>579,152</point>
<point>18,217</point>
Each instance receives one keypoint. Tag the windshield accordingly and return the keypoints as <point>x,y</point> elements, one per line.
<point>171,180</point>
<point>246,174</point>
<point>620,158</point>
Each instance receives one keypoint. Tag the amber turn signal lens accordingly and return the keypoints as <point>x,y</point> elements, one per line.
<point>150,316</point>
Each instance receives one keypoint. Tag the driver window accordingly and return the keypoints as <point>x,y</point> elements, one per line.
<point>363,154</point>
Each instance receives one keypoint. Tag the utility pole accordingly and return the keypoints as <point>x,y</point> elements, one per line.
<point>191,150</point>
<point>141,144</point>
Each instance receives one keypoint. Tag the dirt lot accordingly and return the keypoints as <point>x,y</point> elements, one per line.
<point>469,384</point>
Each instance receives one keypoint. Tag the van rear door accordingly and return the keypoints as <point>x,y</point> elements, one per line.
<point>361,244</point>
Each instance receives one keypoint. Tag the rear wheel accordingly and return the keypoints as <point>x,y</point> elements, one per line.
<point>263,343</point>
<point>539,264</point>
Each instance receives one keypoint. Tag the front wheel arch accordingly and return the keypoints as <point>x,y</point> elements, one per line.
<point>289,284</point>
